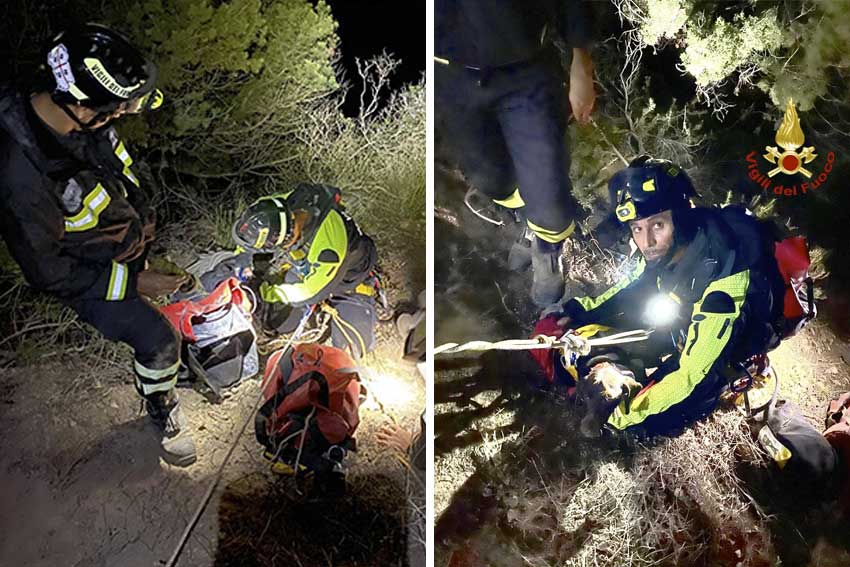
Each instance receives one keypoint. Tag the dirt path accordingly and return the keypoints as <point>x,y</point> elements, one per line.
<point>81,483</point>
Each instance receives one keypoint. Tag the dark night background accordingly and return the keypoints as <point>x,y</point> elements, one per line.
<point>368,27</point>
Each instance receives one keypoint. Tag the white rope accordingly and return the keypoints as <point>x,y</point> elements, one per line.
<point>477,212</point>
<point>301,447</point>
<point>567,342</point>
<point>282,444</point>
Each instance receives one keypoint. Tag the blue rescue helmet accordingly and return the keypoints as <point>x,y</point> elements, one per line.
<point>648,186</point>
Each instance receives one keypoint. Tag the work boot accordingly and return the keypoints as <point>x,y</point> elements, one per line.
<point>178,446</point>
<point>519,258</point>
<point>548,285</point>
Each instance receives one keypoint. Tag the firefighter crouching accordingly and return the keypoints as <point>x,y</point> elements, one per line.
<point>707,282</point>
<point>75,215</point>
<point>308,253</point>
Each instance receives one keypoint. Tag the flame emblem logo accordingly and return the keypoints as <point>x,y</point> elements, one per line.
<point>789,137</point>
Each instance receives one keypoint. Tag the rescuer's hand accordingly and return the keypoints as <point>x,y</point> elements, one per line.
<point>131,253</point>
<point>615,381</point>
<point>554,309</point>
<point>154,284</point>
<point>395,437</point>
<point>149,231</point>
<point>582,92</point>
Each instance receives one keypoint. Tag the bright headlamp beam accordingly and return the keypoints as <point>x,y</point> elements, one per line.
<point>661,310</point>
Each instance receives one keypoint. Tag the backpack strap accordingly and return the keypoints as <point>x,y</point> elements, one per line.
<point>318,377</point>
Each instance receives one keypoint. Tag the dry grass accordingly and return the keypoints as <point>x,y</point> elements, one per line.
<point>676,502</point>
<point>558,500</point>
<point>36,329</point>
<point>666,506</point>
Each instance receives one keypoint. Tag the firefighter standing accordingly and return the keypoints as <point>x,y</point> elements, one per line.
<point>306,252</point>
<point>707,282</point>
<point>75,216</point>
<point>501,99</point>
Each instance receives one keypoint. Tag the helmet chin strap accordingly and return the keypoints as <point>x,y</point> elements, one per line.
<point>86,126</point>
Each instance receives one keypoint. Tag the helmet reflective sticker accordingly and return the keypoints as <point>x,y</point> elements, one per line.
<point>58,61</point>
<point>149,101</point>
<point>154,99</point>
<point>649,185</point>
<point>262,237</point>
<point>626,212</point>
<point>109,83</point>
<point>281,210</point>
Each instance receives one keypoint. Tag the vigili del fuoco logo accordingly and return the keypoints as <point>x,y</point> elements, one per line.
<point>790,160</point>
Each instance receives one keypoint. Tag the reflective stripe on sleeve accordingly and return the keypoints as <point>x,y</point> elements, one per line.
<point>117,282</point>
<point>129,175</point>
<point>94,204</point>
<point>124,156</point>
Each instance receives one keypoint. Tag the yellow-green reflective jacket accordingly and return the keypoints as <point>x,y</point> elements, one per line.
<point>331,257</point>
<point>729,295</point>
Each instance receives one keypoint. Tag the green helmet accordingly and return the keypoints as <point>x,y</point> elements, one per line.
<point>264,225</point>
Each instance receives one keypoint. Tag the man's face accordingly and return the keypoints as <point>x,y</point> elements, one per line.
<point>653,235</point>
<point>86,114</point>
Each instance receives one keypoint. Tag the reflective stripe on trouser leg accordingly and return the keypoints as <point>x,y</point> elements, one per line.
<point>515,201</point>
<point>141,326</point>
<point>551,235</point>
<point>152,380</point>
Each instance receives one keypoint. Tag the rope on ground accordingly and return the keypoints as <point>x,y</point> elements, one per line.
<point>477,212</point>
<point>568,342</point>
<point>202,506</point>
